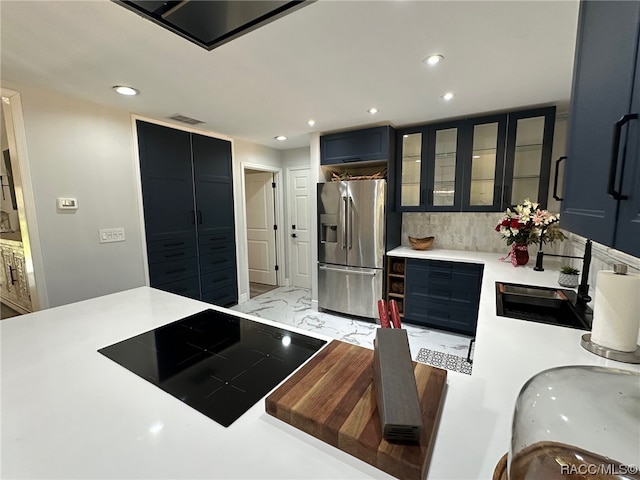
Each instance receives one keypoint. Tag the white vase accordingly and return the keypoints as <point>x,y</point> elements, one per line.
<point>568,279</point>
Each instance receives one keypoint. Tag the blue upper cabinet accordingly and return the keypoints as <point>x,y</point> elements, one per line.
<point>480,164</point>
<point>601,195</point>
<point>355,146</point>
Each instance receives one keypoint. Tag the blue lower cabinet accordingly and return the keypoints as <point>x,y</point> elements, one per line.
<point>443,295</point>
<point>442,316</point>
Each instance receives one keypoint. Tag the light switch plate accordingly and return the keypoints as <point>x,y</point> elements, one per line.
<point>66,203</point>
<point>109,235</point>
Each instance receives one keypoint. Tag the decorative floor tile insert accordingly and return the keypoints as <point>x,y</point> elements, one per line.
<point>444,360</point>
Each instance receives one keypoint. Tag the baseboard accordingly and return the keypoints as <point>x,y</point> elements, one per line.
<point>243,298</point>
<point>314,305</point>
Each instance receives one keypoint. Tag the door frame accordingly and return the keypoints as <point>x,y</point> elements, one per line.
<point>243,260</point>
<point>17,139</point>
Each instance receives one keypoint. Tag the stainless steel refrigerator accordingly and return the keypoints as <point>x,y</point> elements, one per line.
<point>351,243</point>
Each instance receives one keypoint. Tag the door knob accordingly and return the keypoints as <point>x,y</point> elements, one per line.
<point>293,235</point>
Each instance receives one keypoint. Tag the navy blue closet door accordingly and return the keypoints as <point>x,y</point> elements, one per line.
<point>167,182</point>
<point>213,186</point>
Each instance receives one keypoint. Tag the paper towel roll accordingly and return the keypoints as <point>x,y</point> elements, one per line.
<point>616,311</point>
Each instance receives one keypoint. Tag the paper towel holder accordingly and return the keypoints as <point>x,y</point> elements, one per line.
<point>609,353</point>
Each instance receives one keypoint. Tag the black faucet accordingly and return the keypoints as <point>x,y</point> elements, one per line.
<point>583,289</point>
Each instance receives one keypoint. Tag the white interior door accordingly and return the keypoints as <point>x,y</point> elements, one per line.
<point>261,239</point>
<point>300,227</point>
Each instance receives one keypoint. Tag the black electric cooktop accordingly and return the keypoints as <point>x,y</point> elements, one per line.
<point>217,363</point>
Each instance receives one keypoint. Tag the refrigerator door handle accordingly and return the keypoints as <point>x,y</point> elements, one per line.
<point>350,232</point>
<point>368,272</point>
<point>344,223</point>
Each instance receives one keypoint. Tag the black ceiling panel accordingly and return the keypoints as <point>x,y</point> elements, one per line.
<point>210,23</point>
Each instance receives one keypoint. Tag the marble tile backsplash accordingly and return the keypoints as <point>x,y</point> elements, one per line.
<point>458,231</point>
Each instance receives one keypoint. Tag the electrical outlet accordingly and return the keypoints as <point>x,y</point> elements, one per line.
<point>109,235</point>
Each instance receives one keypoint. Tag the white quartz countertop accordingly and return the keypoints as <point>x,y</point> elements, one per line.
<point>69,412</point>
<point>476,422</point>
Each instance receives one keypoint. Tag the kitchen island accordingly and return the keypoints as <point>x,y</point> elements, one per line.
<point>69,412</point>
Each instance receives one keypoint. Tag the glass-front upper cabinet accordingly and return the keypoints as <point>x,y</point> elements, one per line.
<point>411,169</point>
<point>484,163</point>
<point>480,164</point>
<point>444,172</point>
<point>430,171</point>
<point>528,157</point>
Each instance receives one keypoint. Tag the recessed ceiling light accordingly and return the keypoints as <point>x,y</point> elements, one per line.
<point>476,156</point>
<point>123,90</point>
<point>311,123</point>
<point>373,110</point>
<point>433,59</point>
<point>280,138</point>
<point>448,96</point>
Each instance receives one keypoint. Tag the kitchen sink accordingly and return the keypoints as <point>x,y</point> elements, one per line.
<point>552,306</point>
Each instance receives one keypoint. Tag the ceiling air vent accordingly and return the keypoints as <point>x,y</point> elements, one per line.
<point>184,119</point>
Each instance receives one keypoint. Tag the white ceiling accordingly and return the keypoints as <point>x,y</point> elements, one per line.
<point>329,61</point>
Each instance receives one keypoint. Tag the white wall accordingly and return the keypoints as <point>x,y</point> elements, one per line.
<point>83,150</point>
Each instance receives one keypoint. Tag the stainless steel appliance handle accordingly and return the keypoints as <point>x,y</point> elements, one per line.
<point>350,233</point>
<point>344,224</point>
<point>369,273</point>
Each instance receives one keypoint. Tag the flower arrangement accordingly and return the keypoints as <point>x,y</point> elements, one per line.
<point>527,224</point>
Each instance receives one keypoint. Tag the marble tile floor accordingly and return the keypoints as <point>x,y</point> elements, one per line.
<point>292,306</point>
<point>256,289</point>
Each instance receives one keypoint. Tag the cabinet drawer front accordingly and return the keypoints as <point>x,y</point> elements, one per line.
<point>217,249</point>
<point>217,261</point>
<point>445,317</point>
<point>167,255</point>
<point>224,236</point>
<point>466,296</point>
<point>443,266</point>
<point>171,271</point>
<point>222,296</point>
<point>188,287</point>
<point>171,244</point>
<point>218,279</point>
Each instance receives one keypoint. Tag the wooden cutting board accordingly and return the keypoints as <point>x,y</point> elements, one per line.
<point>332,398</point>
